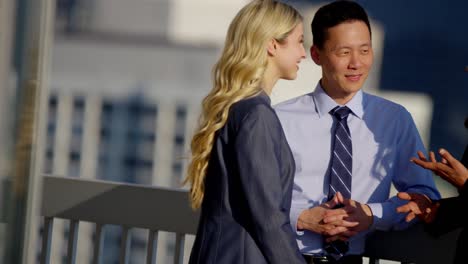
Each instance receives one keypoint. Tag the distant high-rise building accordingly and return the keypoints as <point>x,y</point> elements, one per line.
<point>126,135</point>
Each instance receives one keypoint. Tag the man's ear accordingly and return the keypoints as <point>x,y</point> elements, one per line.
<point>272,46</point>
<point>314,53</point>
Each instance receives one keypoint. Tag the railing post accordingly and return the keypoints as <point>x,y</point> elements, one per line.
<point>98,242</point>
<point>152,247</point>
<point>72,240</point>
<point>47,240</point>
<point>125,246</point>
<point>179,248</point>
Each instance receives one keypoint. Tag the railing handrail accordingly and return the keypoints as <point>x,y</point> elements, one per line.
<point>122,204</point>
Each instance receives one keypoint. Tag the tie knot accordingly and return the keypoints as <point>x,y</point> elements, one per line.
<point>341,112</point>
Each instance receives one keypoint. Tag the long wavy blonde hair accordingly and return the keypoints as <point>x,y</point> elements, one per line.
<point>237,75</point>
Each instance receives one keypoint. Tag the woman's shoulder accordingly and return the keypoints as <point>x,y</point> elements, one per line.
<point>257,107</point>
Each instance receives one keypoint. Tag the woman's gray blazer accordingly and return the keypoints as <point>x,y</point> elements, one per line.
<point>248,188</point>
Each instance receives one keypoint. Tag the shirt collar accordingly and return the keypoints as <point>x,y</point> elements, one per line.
<point>324,103</point>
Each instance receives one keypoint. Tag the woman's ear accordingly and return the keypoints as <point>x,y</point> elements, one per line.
<point>271,47</point>
<point>314,53</point>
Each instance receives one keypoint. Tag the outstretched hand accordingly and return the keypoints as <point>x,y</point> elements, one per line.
<point>449,168</point>
<point>419,205</point>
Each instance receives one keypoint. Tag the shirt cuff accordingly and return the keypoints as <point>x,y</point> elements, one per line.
<point>294,216</point>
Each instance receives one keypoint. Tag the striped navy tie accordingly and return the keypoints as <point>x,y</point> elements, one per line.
<point>342,156</point>
<point>341,170</point>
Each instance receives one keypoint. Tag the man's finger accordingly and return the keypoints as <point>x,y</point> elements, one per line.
<point>403,209</point>
<point>340,197</point>
<point>421,156</point>
<point>335,231</point>
<point>422,163</point>
<point>339,221</point>
<point>327,227</point>
<point>333,218</point>
<point>432,156</point>
<point>448,157</point>
<point>336,212</point>
<point>349,202</point>
<point>410,217</point>
<point>333,202</point>
<point>428,210</point>
<point>415,208</point>
<point>404,196</point>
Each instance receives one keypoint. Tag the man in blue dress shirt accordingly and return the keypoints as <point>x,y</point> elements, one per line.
<point>360,153</point>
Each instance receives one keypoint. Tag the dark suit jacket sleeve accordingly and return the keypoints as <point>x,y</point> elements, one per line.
<point>451,214</point>
<point>259,171</point>
<point>464,159</point>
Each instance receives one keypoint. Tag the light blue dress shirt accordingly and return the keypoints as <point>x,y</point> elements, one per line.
<point>384,138</point>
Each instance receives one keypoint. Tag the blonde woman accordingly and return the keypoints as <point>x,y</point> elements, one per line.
<point>241,171</point>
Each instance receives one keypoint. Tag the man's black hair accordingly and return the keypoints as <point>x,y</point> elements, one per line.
<point>334,14</point>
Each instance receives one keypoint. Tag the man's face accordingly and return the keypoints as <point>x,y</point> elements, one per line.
<point>346,58</point>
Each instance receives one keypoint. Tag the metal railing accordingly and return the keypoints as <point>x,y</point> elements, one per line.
<point>107,203</point>
<point>162,209</point>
